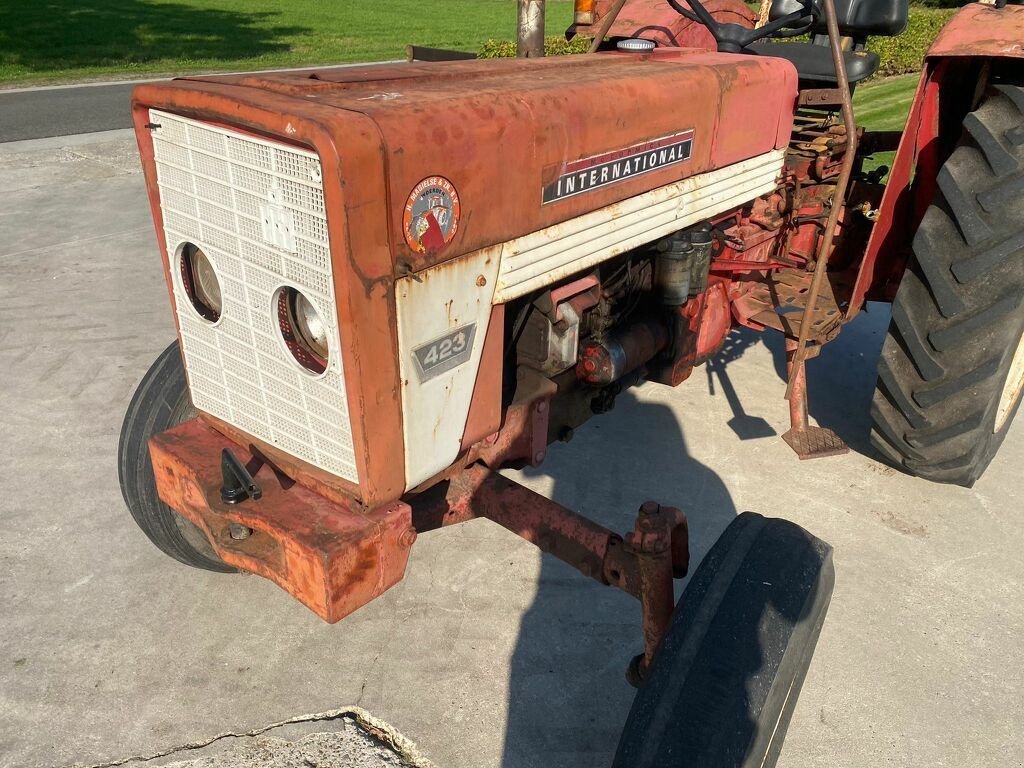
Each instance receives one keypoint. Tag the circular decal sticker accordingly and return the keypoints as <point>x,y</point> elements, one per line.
<point>431,215</point>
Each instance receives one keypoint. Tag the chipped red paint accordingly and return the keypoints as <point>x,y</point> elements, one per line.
<point>643,563</point>
<point>656,20</point>
<point>982,30</point>
<point>333,557</point>
<point>475,121</point>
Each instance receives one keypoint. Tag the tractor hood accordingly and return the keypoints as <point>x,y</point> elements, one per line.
<point>474,153</point>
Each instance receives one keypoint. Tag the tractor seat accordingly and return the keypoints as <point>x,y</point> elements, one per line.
<point>856,19</point>
<point>813,62</point>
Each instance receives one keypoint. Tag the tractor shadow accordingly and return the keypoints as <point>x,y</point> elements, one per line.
<point>841,380</point>
<point>62,34</point>
<point>568,698</point>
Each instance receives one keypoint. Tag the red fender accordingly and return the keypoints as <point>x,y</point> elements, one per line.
<point>982,30</point>
<point>976,34</point>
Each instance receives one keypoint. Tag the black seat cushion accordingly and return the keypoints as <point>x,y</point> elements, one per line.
<point>856,18</point>
<point>814,62</point>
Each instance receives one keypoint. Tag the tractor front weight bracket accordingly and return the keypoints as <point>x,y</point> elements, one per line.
<point>643,563</point>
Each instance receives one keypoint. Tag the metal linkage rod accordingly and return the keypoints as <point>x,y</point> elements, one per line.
<point>606,24</point>
<point>821,266</point>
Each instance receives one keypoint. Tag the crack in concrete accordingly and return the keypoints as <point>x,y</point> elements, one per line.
<point>373,726</point>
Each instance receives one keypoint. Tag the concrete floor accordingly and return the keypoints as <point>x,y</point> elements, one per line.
<point>487,654</point>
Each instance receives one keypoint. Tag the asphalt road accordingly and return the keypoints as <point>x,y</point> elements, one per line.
<point>45,112</point>
<point>66,110</point>
<point>487,655</point>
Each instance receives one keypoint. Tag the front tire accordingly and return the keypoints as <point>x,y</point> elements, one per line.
<point>952,367</point>
<point>161,402</point>
<point>724,685</point>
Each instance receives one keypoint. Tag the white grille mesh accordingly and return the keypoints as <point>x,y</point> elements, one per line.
<point>213,184</point>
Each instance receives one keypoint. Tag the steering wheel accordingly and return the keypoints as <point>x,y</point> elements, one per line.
<point>733,38</point>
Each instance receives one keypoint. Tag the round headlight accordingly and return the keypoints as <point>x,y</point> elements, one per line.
<point>303,330</point>
<point>201,284</point>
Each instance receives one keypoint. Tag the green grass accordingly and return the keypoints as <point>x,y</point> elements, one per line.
<point>883,106</point>
<point>54,40</point>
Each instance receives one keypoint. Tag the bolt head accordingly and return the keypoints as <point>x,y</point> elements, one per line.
<point>649,508</point>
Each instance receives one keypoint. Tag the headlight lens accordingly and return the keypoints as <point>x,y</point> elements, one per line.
<point>201,284</point>
<point>303,330</point>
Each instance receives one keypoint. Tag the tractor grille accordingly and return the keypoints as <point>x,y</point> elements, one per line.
<point>215,189</point>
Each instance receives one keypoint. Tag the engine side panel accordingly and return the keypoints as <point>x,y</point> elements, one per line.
<point>443,311</point>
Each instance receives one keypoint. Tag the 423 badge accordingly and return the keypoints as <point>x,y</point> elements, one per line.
<point>445,352</point>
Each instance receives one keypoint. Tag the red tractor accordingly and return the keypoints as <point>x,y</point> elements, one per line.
<point>391,281</point>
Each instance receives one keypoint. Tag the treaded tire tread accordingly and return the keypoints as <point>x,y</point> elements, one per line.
<point>724,685</point>
<point>161,394</point>
<point>958,316</point>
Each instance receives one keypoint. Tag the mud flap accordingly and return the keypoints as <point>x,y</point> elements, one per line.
<point>723,687</point>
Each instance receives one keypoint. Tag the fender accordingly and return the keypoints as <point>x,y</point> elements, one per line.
<point>953,75</point>
<point>982,30</point>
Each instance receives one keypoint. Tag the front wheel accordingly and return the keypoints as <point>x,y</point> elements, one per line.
<point>161,402</point>
<point>725,682</point>
<point>952,367</point>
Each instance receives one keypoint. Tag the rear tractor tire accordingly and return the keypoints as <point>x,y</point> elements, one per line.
<point>952,366</point>
<point>161,402</point>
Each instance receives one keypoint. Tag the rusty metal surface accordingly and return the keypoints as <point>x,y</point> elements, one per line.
<point>476,121</point>
<point>820,97</point>
<point>333,557</point>
<point>524,430</point>
<point>623,351</point>
<point>778,300</point>
<point>656,20</point>
<point>643,563</point>
<point>982,30</point>
<point>815,443</point>
<point>484,416</point>
<point>806,440</point>
<point>811,313</point>
<point>656,532</point>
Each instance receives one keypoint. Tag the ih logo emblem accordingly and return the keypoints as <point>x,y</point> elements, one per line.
<point>444,353</point>
<point>278,221</point>
<point>431,216</point>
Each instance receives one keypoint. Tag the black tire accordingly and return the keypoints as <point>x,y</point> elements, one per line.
<point>160,402</point>
<point>944,400</point>
<point>724,685</point>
